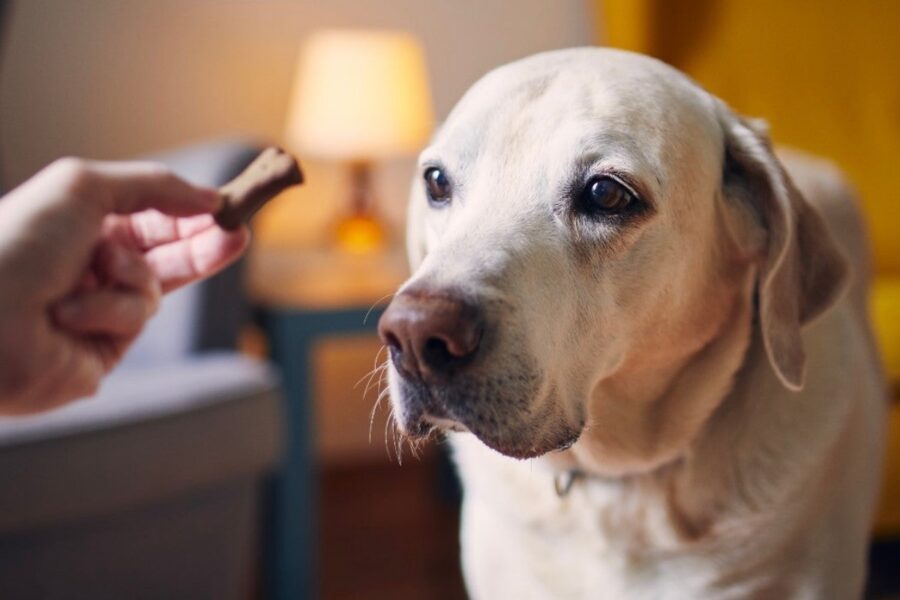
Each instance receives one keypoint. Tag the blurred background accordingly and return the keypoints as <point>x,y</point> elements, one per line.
<point>232,455</point>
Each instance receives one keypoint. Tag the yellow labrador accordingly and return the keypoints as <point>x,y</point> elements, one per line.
<point>650,336</point>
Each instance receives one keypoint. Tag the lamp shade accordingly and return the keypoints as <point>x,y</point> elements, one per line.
<point>359,95</point>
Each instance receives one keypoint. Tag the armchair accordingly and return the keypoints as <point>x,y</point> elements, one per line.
<point>151,488</point>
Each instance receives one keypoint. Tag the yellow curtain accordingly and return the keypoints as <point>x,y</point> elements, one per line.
<point>825,74</point>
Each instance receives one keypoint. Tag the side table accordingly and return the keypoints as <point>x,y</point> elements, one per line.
<point>302,297</point>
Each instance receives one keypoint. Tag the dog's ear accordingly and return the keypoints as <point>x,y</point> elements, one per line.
<point>801,269</point>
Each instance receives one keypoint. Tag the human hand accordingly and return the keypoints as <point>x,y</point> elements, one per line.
<point>86,249</point>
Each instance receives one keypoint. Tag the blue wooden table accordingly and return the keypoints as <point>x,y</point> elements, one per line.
<point>291,532</point>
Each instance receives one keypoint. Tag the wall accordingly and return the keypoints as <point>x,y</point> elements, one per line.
<point>116,78</point>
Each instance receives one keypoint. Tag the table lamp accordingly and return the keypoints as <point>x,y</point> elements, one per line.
<point>359,97</point>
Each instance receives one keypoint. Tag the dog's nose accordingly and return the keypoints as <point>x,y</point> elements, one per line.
<point>431,336</point>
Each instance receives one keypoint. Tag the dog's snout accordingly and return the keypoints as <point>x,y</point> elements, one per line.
<point>431,336</point>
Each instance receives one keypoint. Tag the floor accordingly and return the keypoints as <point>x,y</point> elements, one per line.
<point>390,532</point>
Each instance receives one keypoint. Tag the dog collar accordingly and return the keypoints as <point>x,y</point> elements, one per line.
<point>564,480</point>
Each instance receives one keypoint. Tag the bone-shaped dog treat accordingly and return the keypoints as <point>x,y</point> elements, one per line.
<point>270,173</point>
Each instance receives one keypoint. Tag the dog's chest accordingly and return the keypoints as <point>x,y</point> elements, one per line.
<point>520,537</point>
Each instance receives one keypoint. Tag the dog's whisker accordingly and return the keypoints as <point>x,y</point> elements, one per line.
<point>413,447</point>
<point>377,375</point>
<point>376,367</point>
<point>372,415</point>
<point>390,437</point>
<point>378,354</point>
<point>376,303</point>
<point>419,445</point>
<point>382,394</point>
<point>387,426</point>
<point>376,372</point>
<point>398,443</point>
<point>367,378</point>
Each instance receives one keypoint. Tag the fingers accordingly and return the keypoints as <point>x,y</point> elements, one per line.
<point>126,296</point>
<point>108,312</point>
<point>52,246</point>
<point>69,374</point>
<point>129,187</point>
<point>50,225</point>
<point>148,229</point>
<point>120,267</point>
<point>197,256</point>
<point>179,250</point>
<point>89,281</point>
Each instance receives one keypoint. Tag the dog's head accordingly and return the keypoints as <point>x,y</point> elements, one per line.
<point>581,227</point>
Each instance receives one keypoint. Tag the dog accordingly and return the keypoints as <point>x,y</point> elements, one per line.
<point>646,338</point>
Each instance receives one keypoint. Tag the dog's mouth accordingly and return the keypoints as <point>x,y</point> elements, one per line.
<point>424,425</point>
<point>505,424</point>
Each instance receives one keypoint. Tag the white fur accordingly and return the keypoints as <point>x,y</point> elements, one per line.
<point>705,474</point>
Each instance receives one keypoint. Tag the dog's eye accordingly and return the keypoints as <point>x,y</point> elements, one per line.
<point>437,186</point>
<point>605,196</point>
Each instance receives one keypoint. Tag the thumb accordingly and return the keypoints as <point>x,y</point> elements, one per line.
<point>129,187</point>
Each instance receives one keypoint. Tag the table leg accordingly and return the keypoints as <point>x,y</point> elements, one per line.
<point>291,532</point>
<point>291,528</point>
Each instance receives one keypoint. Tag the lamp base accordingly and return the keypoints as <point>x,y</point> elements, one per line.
<point>359,233</point>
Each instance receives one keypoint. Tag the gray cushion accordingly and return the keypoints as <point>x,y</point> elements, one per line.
<point>148,435</point>
<point>132,394</point>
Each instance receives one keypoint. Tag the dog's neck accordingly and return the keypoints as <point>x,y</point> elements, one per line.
<point>658,411</point>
